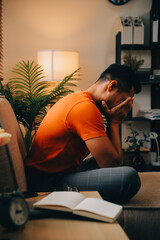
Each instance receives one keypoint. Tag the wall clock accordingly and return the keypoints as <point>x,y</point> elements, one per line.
<point>118,2</point>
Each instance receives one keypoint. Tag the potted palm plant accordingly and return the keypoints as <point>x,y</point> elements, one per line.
<point>29,96</point>
<point>135,142</point>
<point>133,62</point>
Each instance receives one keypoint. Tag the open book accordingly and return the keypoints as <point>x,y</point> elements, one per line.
<point>78,204</point>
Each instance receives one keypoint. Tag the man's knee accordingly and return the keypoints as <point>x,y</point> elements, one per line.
<point>131,183</point>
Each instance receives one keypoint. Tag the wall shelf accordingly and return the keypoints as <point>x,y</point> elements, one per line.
<point>146,78</point>
<point>128,119</point>
<point>135,47</point>
<point>155,46</point>
<point>141,119</point>
<point>150,82</point>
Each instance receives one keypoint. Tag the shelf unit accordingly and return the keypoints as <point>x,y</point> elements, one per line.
<point>145,77</point>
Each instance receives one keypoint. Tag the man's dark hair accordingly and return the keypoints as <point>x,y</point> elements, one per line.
<point>124,75</point>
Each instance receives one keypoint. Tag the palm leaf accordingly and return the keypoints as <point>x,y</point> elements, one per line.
<point>27,95</point>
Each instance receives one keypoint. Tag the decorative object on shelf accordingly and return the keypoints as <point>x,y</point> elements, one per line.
<point>126,21</point>
<point>135,142</point>
<point>132,29</point>
<point>118,2</point>
<point>155,21</point>
<point>58,64</point>
<point>29,98</point>
<point>156,161</point>
<point>152,114</point>
<point>126,30</point>
<point>138,30</point>
<point>134,62</point>
<point>156,72</point>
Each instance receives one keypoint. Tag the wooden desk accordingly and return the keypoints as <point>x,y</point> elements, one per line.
<point>66,229</point>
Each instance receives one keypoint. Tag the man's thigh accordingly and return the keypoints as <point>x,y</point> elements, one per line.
<point>117,184</point>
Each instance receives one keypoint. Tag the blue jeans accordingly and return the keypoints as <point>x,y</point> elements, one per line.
<point>117,184</point>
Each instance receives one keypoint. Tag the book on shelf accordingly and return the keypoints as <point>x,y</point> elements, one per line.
<point>78,204</point>
<point>152,114</point>
<point>144,70</point>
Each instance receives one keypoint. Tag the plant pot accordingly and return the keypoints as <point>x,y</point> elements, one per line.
<point>138,163</point>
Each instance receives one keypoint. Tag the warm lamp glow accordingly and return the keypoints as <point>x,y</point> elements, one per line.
<point>58,64</point>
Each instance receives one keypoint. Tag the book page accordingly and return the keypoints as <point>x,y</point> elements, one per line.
<point>60,199</point>
<point>99,207</point>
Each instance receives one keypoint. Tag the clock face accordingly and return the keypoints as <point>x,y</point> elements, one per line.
<point>118,2</point>
<point>18,211</point>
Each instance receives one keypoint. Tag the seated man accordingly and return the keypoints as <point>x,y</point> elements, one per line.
<point>74,127</point>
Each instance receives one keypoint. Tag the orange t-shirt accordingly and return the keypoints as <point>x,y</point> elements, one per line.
<point>59,144</point>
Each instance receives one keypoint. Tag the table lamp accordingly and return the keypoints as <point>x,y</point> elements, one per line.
<point>58,64</point>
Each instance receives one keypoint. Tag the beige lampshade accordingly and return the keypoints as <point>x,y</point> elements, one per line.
<point>58,64</point>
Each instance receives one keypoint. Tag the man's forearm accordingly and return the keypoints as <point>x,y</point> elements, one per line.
<point>113,133</point>
<point>114,116</point>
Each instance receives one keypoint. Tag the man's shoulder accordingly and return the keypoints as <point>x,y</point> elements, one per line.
<point>82,100</point>
<point>83,106</point>
<point>80,96</point>
<point>84,118</point>
<point>77,99</point>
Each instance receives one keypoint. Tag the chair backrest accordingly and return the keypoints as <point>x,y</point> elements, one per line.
<point>16,149</point>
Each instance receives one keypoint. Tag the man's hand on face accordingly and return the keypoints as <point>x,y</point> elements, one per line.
<point>118,113</point>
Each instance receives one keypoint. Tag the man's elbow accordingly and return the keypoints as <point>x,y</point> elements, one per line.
<point>118,161</point>
<point>115,160</point>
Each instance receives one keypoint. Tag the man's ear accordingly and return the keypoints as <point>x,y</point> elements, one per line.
<point>112,85</point>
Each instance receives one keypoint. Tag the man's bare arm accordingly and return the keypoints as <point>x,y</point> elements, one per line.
<point>107,150</point>
<point>118,113</point>
<point>113,134</point>
<point>103,151</point>
<point>114,117</point>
